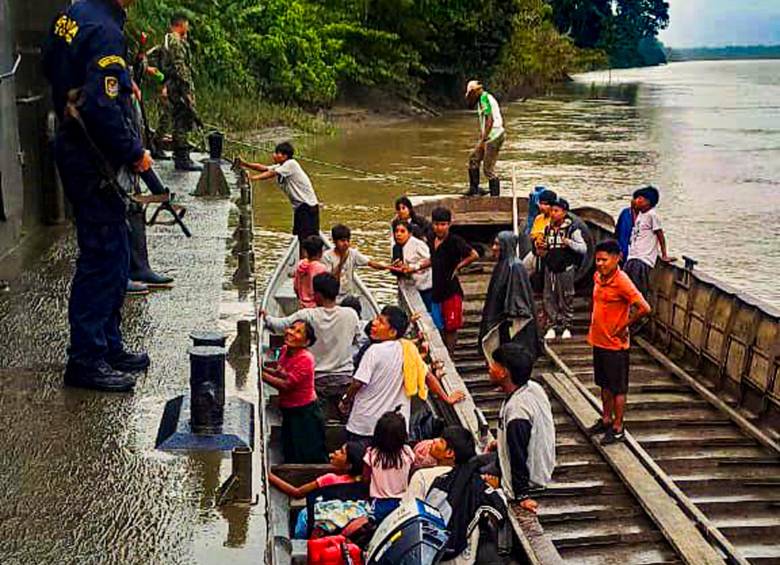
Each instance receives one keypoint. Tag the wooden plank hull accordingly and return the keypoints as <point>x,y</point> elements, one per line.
<point>705,425</point>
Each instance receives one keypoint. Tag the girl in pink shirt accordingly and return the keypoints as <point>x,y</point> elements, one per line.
<point>347,464</point>
<point>388,463</point>
<point>307,269</point>
<point>301,413</point>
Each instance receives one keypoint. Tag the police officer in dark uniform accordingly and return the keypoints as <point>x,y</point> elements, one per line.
<point>86,62</point>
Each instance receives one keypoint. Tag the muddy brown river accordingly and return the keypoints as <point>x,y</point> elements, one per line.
<point>706,133</point>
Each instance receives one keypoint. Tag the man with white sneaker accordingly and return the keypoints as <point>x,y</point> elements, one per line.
<point>562,249</point>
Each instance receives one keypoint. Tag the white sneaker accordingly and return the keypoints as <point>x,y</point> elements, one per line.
<point>550,334</point>
<point>566,334</point>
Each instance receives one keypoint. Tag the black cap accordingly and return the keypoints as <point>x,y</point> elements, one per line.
<point>650,193</point>
<point>548,196</point>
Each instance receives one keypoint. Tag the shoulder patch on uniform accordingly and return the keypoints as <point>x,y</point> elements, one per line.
<point>112,87</point>
<point>111,60</point>
<point>66,28</point>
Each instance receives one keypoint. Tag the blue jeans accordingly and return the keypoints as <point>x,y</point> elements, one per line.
<point>98,290</point>
<point>427,298</point>
<point>381,507</point>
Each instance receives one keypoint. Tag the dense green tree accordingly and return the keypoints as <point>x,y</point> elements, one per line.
<point>625,29</point>
<point>307,52</point>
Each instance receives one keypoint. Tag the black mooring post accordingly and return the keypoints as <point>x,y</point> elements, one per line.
<point>242,471</point>
<point>207,389</point>
<point>212,338</point>
<point>216,142</point>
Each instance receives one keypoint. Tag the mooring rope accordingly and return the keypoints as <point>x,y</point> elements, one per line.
<point>422,183</point>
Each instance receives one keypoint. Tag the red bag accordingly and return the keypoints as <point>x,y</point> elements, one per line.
<point>332,550</point>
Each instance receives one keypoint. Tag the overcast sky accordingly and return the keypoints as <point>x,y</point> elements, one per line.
<point>722,22</point>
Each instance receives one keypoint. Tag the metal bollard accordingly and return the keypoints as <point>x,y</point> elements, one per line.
<point>244,222</point>
<point>207,389</point>
<point>242,344</point>
<point>245,267</point>
<point>242,471</point>
<point>216,141</point>
<point>208,338</point>
<point>246,191</point>
<point>243,241</point>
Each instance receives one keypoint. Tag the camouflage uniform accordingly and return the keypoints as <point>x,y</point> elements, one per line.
<point>180,87</point>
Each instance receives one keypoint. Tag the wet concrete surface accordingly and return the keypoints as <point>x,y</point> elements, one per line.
<point>80,479</point>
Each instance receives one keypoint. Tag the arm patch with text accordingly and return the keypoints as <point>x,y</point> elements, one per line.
<point>112,87</point>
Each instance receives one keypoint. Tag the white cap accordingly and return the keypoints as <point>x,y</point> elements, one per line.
<point>472,86</point>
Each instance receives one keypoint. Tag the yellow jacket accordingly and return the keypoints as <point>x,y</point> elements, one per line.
<point>415,371</point>
<point>537,229</point>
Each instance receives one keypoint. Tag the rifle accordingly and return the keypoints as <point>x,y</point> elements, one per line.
<point>139,70</point>
<point>185,100</point>
<point>160,193</point>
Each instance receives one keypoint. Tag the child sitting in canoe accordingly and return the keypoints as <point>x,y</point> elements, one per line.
<point>388,463</point>
<point>347,464</point>
<point>309,267</point>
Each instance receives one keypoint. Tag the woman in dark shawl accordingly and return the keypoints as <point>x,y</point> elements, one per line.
<point>509,313</point>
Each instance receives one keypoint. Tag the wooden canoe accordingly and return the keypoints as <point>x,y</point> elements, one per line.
<point>280,300</point>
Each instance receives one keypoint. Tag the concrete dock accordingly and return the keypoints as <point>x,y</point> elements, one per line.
<point>81,479</point>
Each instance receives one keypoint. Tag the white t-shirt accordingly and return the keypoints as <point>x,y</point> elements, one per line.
<point>644,242</point>
<point>295,183</point>
<point>415,252</point>
<point>421,481</point>
<point>381,372</point>
<point>488,106</point>
<point>336,329</point>
<point>347,279</point>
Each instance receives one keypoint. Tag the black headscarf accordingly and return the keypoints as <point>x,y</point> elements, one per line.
<point>510,295</point>
<point>464,499</point>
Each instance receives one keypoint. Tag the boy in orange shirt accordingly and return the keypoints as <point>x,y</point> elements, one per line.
<point>613,297</point>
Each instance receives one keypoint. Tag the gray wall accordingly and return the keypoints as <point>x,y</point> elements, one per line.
<point>11,190</point>
<point>30,192</point>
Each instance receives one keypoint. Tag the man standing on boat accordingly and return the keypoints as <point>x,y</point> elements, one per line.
<point>296,184</point>
<point>491,138</point>
<point>617,305</point>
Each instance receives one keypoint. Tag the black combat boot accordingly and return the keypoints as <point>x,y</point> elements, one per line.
<point>495,187</point>
<point>97,376</point>
<point>158,154</point>
<point>140,271</point>
<point>182,161</point>
<point>474,189</point>
<point>127,362</point>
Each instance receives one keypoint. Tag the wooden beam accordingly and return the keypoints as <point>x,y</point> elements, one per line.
<point>743,423</point>
<point>710,531</point>
<point>679,529</point>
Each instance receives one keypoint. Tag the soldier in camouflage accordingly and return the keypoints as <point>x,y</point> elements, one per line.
<point>180,90</point>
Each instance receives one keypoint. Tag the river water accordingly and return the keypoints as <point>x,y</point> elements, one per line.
<point>706,133</point>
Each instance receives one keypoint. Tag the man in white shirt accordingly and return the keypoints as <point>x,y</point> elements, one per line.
<point>491,138</point>
<point>378,384</point>
<point>296,185</point>
<point>647,240</point>
<point>336,329</point>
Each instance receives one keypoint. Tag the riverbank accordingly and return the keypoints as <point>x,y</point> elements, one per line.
<point>81,478</point>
